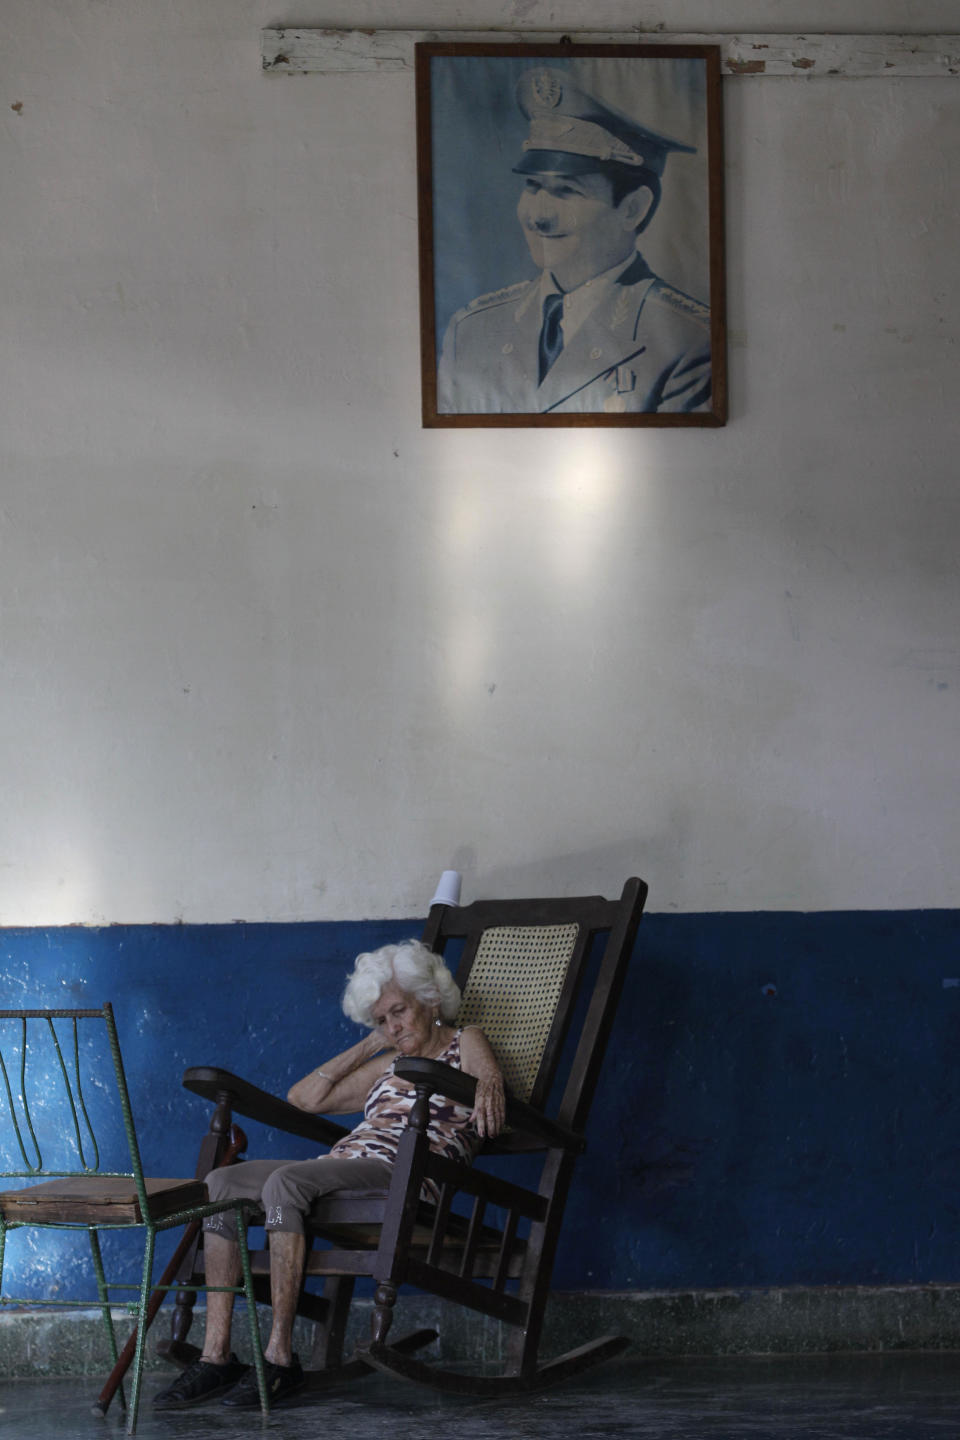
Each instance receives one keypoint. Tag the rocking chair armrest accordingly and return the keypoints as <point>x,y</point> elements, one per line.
<point>246,1099</point>
<point>522,1118</point>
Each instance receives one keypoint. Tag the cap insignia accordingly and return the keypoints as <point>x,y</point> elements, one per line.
<point>546,88</point>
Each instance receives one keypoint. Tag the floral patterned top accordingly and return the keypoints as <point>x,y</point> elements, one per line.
<point>385,1115</point>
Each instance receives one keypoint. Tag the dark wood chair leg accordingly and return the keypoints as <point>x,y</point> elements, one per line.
<point>328,1344</point>
<point>384,1299</point>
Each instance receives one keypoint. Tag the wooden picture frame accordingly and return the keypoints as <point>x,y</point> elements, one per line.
<point>545,299</point>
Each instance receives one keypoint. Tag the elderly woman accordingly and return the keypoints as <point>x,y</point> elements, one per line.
<point>407,998</point>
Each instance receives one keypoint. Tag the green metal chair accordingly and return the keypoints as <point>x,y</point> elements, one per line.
<point>62,1078</point>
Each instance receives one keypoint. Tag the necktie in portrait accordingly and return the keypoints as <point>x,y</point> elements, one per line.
<point>551,335</point>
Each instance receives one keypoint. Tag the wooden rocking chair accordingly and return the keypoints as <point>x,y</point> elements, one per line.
<point>542,978</point>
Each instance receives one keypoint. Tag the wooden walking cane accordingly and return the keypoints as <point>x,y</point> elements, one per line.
<point>236,1144</point>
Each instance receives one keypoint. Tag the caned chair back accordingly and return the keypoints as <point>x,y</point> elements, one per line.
<point>523,965</point>
<point>513,992</point>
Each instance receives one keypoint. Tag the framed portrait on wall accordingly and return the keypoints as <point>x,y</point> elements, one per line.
<point>571,235</point>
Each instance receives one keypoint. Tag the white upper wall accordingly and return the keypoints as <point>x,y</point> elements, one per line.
<point>272,651</point>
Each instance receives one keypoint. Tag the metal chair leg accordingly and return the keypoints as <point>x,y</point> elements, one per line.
<point>252,1310</point>
<point>104,1295</point>
<point>138,1358</point>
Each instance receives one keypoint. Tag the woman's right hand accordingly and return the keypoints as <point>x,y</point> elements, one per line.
<point>373,1043</point>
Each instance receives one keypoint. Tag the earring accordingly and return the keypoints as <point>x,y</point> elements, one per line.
<point>437,1021</point>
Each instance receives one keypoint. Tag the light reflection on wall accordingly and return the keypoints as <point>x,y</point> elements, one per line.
<point>466,520</point>
<point>533,549</point>
<point>586,493</point>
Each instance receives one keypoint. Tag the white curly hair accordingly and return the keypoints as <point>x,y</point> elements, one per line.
<point>414,967</point>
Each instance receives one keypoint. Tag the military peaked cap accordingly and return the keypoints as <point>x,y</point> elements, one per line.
<point>571,131</point>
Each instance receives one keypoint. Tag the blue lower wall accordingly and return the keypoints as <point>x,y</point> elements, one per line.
<point>780,1104</point>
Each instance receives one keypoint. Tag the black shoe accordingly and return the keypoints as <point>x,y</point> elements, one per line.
<point>282,1380</point>
<point>200,1382</point>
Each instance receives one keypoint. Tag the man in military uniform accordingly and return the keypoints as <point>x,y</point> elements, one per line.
<point>597,331</point>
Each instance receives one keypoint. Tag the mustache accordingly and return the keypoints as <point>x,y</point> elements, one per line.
<point>548,228</point>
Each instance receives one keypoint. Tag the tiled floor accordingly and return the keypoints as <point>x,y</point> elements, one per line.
<point>859,1397</point>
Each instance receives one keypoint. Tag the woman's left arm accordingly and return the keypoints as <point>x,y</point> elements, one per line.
<point>477,1059</point>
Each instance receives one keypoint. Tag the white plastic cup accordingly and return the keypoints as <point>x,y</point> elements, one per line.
<point>448,889</point>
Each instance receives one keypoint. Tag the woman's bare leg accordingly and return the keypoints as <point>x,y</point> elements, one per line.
<point>223,1268</point>
<point>287,1254</point>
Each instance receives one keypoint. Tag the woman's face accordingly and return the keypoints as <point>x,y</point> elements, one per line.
<point>403,1020</point>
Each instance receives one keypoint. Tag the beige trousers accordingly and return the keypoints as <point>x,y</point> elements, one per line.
<point>287,1188</point>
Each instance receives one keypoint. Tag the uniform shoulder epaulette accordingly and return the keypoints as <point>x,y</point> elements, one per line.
<point>677,300</point>
<point>497,297</point>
